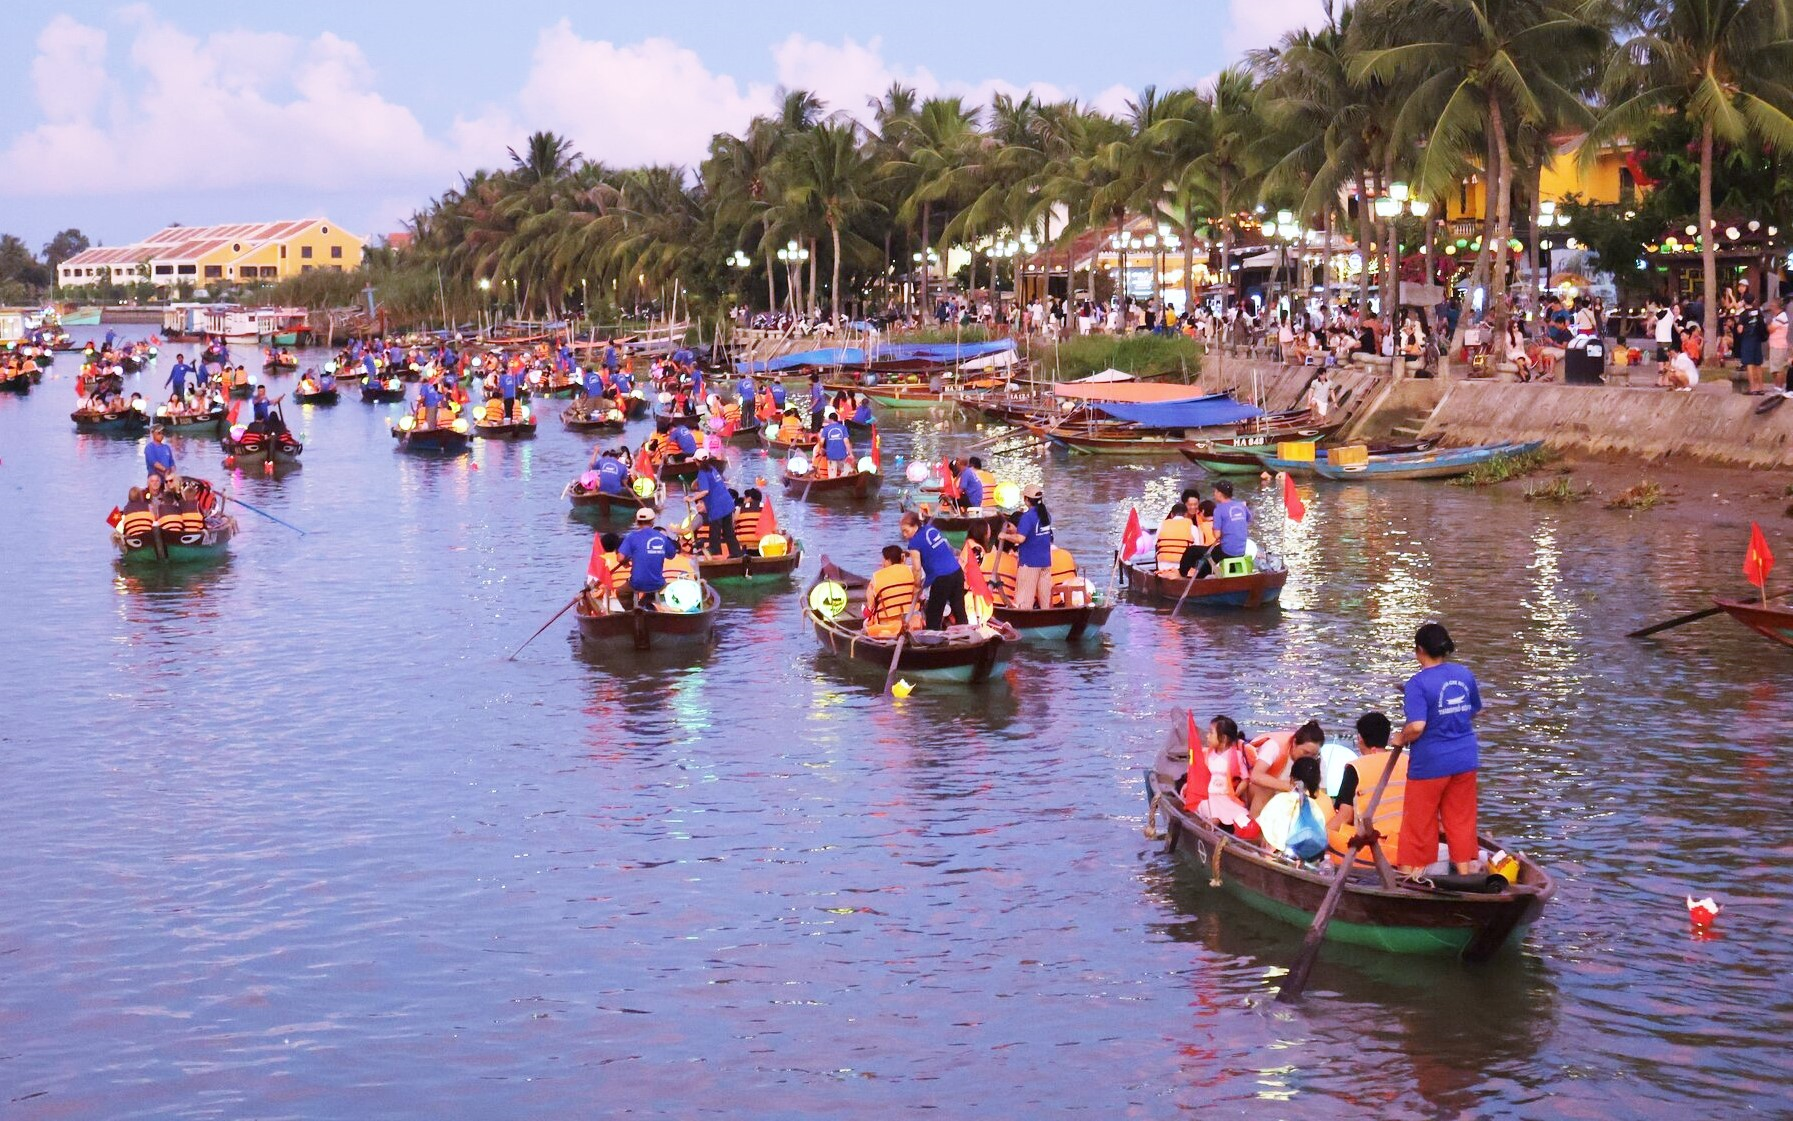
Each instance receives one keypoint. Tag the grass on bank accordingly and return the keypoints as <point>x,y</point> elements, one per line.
<point>1640,497</point>
<point>1560,489</point>
<point>1143,356</point>
<point>1504,467</point>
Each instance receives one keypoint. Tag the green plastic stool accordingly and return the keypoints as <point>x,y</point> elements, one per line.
<point>1236,566</point>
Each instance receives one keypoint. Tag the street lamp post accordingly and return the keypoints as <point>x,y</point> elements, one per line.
<point>485,289</point>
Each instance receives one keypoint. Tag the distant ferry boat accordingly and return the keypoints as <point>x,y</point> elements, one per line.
<point>272,325</point>
<point>85,316</point>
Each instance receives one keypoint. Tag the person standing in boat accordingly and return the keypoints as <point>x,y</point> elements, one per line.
<point>1440,704</point>
<point>837,446</point>
<point>177,377</point>
<point>818,403</point>
<point>941,576</point>
<point>1032,533</point>
<point>158,457</point>
<point>718,505</point>
<point>507,389</point>
<point>971,487</point>
<point>431,399</point>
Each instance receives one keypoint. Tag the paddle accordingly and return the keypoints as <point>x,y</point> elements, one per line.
<point>544,626</point>
<point>263,513</point>
<point>896,655</point>
<point>1694,617</point>
<point>1310,945</point>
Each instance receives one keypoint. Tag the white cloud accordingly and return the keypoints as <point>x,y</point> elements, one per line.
<point>112,128</point>
<point>1260,23</point>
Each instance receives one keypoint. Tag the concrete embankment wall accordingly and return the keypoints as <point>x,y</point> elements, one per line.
<point>1712,424</point>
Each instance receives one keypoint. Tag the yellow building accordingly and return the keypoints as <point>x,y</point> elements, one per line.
<point>1612,179</point>
<point>216,256</point>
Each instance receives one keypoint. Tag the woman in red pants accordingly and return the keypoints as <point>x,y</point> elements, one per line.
<point>1441,704</point>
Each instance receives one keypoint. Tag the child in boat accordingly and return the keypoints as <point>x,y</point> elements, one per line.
<point>1224,758</point>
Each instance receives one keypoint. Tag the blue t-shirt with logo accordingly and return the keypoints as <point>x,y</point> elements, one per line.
<point>1446,697</point>
<point>718,502</point>
<point>1232,520</point>
<point>836,444</point>
<point>611,473</point>
<point>1036,544</point>
<point>684,440</point>
<point>937,555</point>
<point>971,488</point>
<point>594,384</point>
<point>778,394</point>
<point>646,550</point>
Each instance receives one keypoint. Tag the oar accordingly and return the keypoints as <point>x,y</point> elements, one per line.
<point>545,626</point>
<point>1694,617</point>
<point>896,655</point>
<point>263,513</point>
<point>1316,934</point>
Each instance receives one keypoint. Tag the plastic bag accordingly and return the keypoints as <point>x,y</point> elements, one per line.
<point>1307,837</point>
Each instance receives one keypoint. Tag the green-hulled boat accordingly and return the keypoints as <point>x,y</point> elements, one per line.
<point>1372,912</point>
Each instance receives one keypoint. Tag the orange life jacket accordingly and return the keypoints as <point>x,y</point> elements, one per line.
<point>1388,811</point>
<point>1205,534</point>
<point>1175,535</point>
<point>680,565</point>
<point>1064,573</point>
<point>747,527</point>
<point>888,599</point>
<point>135,522</point>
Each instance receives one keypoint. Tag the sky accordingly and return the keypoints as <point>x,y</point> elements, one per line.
<point>132,116</point>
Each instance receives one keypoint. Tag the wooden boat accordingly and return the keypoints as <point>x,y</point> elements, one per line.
<point>560,388</point>
<point>18,381</point>
<point>1774,622</point>
<point>521,428</point>
<point>160,546</point>
<point>958,525</point>
<point>611,420</point>
<point>639,629</point>
<point>129,421</point>
<point>1056,624</point>
<point>859,485</point>
<point>1218,459</point>
<point>1257,589</point>
<point>805,441</point>
<point>749,567</point>
<point>1439,463</point>
<point>275,360</point>
<point>441,440</point>
<point>325,394</point>
<point>1372,912</point>
<point>252,448</point>
<point>1112,437</point>
<point>678,469</point>
<point>666,422</point>
<point>194,424</point>
<point>958,654</point>
<point>603,505</point>
<point>904,393</point>
<point>375,393</point>
<point>745,435</point>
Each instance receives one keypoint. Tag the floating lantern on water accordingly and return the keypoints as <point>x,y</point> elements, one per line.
<point>901,689</point>
<point>1702,912</point>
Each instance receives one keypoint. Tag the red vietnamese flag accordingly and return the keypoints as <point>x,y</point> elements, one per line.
<point>977,585</point>
<point>598,568</point>
<point>235,408</point>
<point>949,486</point>
<point>643,465</point>
<point>768,519</point>
<point>877,457</point>
<point>1291,501</point>
<point>115,517</point>
<point>1130,535</point>
<point>1195,787</point>
<point>1758,562</point>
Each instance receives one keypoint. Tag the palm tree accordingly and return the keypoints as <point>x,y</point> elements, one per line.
<point>1722,63</point>
<point>941,166</point>
<point>832,176</point>
<point>1481,70</point>
<point>544,159</point>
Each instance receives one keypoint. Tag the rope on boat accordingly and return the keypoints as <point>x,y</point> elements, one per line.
<point>1151,829</point>
<point>1214,862</point>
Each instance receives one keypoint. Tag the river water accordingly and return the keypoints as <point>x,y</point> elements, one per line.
<point>289,837</point>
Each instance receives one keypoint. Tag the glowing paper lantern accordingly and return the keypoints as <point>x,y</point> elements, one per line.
<point>917,473</point>
<point>460,425</point>
<point>1008,495</point>
<point>828,599</point>
<point>683,597</point>
<point>644,487</point>
<point>797,465</point>
<point>866,466</point>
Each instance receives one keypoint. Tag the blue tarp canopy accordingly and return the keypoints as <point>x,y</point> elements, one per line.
<point>946,354</point>
<point>1213,411</point>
